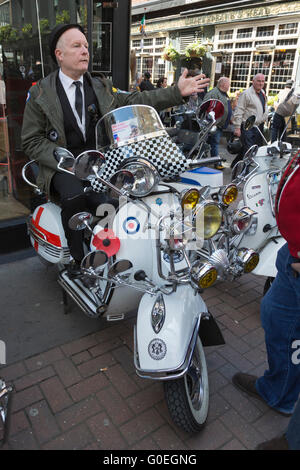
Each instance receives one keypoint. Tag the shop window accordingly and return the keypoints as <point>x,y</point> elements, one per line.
<point>223,35</point>
<point>148,42</point>
<point>287,42</point>
<point>265,31</point>
<point>243,45</point>
<point>244,33</point>
<point>160,41</point>
<point>289,28</point>
<point>261,64</point>
<point>282,69</point>
<point>240,71</point>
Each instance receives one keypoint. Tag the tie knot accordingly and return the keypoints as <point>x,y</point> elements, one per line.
<point>77,84</point>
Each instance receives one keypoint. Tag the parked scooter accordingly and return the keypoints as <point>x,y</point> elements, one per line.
<point>139,256</point>
<point>259,174</point>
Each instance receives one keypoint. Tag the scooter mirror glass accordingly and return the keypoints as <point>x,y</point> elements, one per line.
<point>88,163</point>
<point>80,221</point>
<point>238,170</point>
<point>122,179</point>
<point>96,260</point>
<point>65,158</point>
<point>251,152</point>
<point>211,106</point>
<point>119,267</point>
<point>249,123</point>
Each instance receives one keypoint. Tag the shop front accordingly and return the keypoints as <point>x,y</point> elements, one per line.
<point>25,27</point>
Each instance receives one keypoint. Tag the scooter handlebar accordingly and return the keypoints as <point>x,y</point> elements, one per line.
<point>203,162</point>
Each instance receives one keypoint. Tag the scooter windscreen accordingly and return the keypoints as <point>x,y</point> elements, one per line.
<point>135,132</point>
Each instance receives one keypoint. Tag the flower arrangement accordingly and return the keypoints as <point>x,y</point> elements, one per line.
<point>195,49</point>
<point>170,53</point>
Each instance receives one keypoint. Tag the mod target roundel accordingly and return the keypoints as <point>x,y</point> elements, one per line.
<point>131,225</point>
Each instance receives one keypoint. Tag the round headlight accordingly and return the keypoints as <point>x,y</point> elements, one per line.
<point>189,199</point>
<point>207,220</point>
<point>203,274</point>
<point>242,219</point>
<point>249,259</point>
<point>230,194</point>
<point>145,178</point>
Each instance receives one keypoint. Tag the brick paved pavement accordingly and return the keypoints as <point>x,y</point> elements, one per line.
<point>84,394</point>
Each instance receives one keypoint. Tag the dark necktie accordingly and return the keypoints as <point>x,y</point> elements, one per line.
<point>78,99</point>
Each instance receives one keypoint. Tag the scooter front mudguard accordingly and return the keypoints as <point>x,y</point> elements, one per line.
<point>267,258</point>
<point>166,354</point>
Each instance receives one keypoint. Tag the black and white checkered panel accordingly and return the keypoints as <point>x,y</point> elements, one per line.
<point>161,151</point>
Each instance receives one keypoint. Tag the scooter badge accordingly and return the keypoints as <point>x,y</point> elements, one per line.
<point>157,349</point>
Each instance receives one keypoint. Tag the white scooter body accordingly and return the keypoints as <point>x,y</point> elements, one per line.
<point>160,352</point>
<point>259,194</point>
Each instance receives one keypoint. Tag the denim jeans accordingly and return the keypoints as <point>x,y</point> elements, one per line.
<point>214,141</point>
<point>280,317</point>
<point>293,431</point>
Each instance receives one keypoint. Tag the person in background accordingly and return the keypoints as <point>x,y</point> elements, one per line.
<point>285,106</point>
<point>146,83</point>
<point>219,93</point>
<point>161,82</point>
<point>164,115</point>
<point>252,101</point>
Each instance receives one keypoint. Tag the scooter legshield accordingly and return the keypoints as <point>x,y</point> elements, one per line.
<point>267,258</point>
<point>165,354</point>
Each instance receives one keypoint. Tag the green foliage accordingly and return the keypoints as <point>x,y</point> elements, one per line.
<point>170,53</point>
<point>27,29</point>
<point>63,17</point>
<point>195,48</point>
<point>44,25</point>
<point>8,33</point>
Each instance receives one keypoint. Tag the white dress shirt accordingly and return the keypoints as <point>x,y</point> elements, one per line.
<point>70,89</point>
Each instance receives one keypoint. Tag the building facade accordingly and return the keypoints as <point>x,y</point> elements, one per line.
<point>245,37</point>
<point>25,27</point>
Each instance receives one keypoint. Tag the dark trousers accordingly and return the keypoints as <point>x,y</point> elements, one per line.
<point>278,125</point>
<point>248,138</point>
<point>73,199</point>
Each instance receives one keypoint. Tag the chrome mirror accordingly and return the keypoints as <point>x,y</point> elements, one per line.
<point>249,123</point>
<point>80,221</point>
<point>88,164</point>
<point>119,267</point>
<point>95,261</point>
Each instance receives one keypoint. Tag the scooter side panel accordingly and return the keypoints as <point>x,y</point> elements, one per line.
<point>182,308</point>
<point>256,196</point>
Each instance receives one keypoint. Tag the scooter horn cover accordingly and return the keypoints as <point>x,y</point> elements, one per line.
<point>234,145</point>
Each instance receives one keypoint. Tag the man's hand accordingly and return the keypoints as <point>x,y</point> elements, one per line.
<point>190,85</point>
<point>237,132</point>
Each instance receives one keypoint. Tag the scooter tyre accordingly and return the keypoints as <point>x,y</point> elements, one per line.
<point>188,397</point>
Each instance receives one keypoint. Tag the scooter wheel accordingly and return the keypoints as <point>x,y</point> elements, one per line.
<point>188,398</point>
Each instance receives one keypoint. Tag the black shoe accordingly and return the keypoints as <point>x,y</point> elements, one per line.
<point>246,383</point>
<point>219,166</point>
<point>74,269</point>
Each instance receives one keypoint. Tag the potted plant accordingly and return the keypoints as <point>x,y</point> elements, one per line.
<point>170,54</point>
<point>195,49</point>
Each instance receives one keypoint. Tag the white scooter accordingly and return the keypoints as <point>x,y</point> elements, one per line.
<point>259,174</point>
<point>139,256</point>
